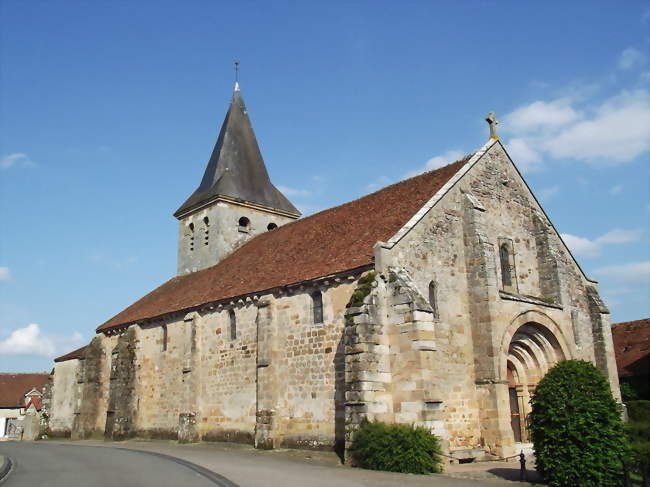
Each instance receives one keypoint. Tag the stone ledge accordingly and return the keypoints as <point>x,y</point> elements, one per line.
<point>528,299</point>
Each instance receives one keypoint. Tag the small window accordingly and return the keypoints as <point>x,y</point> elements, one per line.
<point>164,338</point>
<point>271,226</point>
<point>206,231</point>
<point>506,277</point>
<point>190,236</point>
<point>507,261</point>
<point>433,298</point>
<point>244,224</point>
<point>317,306</point>
<point>233,324</point>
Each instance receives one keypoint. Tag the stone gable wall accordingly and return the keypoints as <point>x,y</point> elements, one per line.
<point>456,245</point>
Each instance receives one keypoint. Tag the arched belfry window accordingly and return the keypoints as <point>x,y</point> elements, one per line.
<point>206,230</point>
<point>244,224</point>
<point>190,236</point>
<point>271,226</point>
<point>233,324</point>
<point>507,261</point>
<point>317,306</point>
<point>433,298</point>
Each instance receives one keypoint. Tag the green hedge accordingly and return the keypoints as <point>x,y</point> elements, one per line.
<point>396,448</point>
<point>576,428</point>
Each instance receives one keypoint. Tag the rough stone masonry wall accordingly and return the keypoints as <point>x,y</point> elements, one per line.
<point>311,367</point>
<point>159,366</point>
<point>122,400</point>
<point>279,382</point>
<point>210,243</point>
<point>93,385</point>
<point>64,398</point>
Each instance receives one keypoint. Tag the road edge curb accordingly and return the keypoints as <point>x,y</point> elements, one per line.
<point>5,468</point>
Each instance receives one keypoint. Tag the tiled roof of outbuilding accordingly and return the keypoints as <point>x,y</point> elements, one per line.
<point>632,347</point>
<point>13,388</point>
<point>332,241</point>
<point>78,353</point>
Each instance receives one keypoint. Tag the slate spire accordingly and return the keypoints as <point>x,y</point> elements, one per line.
<point>236,168</point>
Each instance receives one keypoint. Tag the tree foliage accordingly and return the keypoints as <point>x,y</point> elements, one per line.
<point>638,430</point>
<point>576,428</point>
<point>396,448</point>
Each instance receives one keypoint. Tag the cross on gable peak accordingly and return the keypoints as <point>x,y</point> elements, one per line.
<point>491,119</point>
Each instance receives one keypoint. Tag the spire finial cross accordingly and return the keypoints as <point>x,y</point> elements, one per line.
<point>236,75</point>
<point>491,119</point>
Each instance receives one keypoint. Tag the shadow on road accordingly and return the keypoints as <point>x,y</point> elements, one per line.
<point>514,474</point>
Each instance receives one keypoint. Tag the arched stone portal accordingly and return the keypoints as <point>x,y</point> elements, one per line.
<point>532,351</point>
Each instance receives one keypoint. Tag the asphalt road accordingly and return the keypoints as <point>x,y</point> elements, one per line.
<point>57,465</point>
<point>137,463</point>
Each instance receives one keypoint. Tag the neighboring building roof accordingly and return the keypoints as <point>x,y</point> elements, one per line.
<point>632,347</point>
<point>236,168</point>
<point>329,242</point>
<point>78,353</point>
<point>37,402</point>
<point>13,388</point>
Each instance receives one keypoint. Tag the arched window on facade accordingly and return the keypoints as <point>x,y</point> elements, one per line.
<point>190,236</point>
<point>505,256</point>
<point>244,224</point>
<point>433,298</point>
<point>233,324</point>
<point>271,226</point>
<point>317,306</point>
<point>163,346</point>
<point>206,230</point>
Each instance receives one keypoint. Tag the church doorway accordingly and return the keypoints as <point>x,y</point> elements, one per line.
<point>533,350</point>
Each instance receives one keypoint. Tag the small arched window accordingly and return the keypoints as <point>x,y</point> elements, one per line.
<point>271,226</point>
<point>433,298</point>
<point>506,270</point>
<point>233,324</point>
<point>244,224</point>
<point>317,306</point>
<point>206,230</point>
<point>190,236</point>
<point>164,338</point>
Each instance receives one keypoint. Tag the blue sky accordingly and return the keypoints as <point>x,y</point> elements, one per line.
<point>109,112</point>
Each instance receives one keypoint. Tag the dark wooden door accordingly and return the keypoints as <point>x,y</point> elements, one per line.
<point>515,418</point>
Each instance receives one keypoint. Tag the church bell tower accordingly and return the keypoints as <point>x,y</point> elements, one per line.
<point>234,202</point>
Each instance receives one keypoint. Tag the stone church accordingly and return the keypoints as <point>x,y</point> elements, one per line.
<point>439,301</point>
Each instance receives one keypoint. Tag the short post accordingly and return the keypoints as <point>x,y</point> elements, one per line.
<point>522,471</point>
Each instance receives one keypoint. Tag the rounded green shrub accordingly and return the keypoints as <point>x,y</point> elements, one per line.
<point>576,428</point>
<point>396,448</point>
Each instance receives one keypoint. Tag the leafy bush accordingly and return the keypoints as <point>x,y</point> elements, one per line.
<point>364,287</point>
<point>576,428</point>
<point>638,410</point>
<point>396,448</point>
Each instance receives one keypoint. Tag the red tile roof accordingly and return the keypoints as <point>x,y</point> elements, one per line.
<point>78,353</point>
<point>632,347</point>
<point>37,402</point>
<point>329,242</point>
<point>13,388</point>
